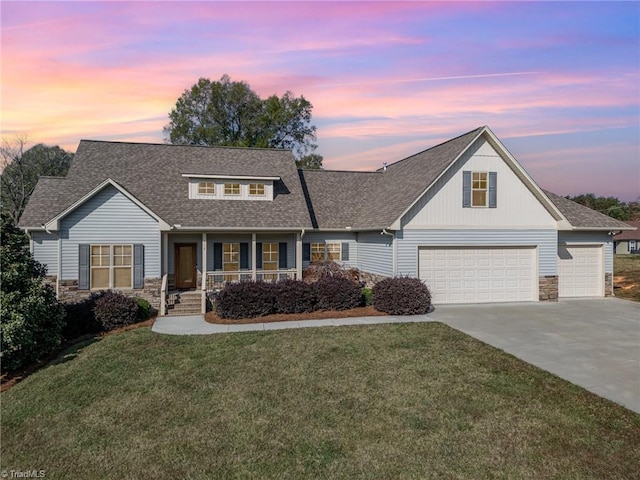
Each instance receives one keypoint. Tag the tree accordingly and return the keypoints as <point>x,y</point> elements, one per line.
<point>313,161</point>
<point>31,318</point>
<point>229,113</point>
<point>610,206</point>
<point>21,170</point>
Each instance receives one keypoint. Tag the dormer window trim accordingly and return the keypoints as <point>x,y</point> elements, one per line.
<point>232,189</point>
<point>206,189</point>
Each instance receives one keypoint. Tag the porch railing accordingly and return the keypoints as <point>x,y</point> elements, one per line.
<point>217,280</point>
<point>163,295</point>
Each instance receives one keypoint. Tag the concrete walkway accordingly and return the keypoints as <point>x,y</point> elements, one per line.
<point>594,343</point>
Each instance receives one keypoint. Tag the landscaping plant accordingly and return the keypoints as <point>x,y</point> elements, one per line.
<point>401,296</point>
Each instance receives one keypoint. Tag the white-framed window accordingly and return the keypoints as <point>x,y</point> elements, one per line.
<point>111,266</point>
<point>256,189</point>
<point>232,189</point>
<point>270,260</point>
<point>206,188</point>
<point>231,260</point>
<point>333,251</point>
<point>479,189</point>
<point>317,252</point>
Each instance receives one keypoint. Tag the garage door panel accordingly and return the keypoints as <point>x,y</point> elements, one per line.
<point>479,275</point>
<point>580,271</point>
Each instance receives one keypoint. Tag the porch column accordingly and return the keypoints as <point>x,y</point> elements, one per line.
<point>253,257</point>
<point>298,256</point>
<point>165,253</point>
<point>204,272</point>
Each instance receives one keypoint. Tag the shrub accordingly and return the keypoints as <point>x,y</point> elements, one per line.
<point>114,310</point>
<point>80,319</point>
<point>367,296</point>
<point>294,296</point>
<point>320,269</point>
<point>145,310</point>
<point>401,296</point>
<point>246,299</point>
<point>31,318</point>
<point>337,293</point>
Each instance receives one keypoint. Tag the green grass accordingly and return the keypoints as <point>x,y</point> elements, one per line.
<point>390,402</point>
<point>626,269</point>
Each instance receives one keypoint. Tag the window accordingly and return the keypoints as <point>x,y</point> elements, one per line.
<point>270,260</point>
<point>232,189</point>
<point>111,266</point>
<point>317,252</point>
<point>206,188</point>
<point>479,188</point>
<point>231,260</point>
<point>333,252</point>
<point>256,189</point>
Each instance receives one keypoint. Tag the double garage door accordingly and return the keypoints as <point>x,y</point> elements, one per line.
<point>506,274</point>
<point>479,275</point>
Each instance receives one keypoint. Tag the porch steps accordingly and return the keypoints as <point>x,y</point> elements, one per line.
<point>184,303</point>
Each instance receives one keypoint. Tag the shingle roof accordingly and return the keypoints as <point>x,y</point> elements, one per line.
<point>580,216</point>
<point>152,173</point>
<point>630,234</point>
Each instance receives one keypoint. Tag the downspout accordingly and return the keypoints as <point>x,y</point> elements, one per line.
<point>393,250</point>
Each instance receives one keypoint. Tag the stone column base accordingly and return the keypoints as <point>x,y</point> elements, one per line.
<point>548,288</point>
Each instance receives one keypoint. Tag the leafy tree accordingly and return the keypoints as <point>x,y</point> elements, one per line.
<point>610,206</point>
<point>21,170</point>
<point>31,318</point>
<point>231,114</point>
<point>313,161</point>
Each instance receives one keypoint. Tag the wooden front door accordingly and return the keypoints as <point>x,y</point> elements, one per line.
<point>186,273</point>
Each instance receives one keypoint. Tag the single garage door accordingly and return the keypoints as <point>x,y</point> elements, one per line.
<point>580,271</point>
<point>479,275</point>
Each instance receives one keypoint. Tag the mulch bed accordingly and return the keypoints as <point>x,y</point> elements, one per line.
<point>369,311</point>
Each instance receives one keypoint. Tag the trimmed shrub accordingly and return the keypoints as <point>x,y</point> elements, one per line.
<point>294,296</point>
<point>114,310</point>
<point>246,299</point>
<point>337,293</point>
<point>367,296</point>
<point>80,319</point>
<point>401,296</point>
<point>145,310</point>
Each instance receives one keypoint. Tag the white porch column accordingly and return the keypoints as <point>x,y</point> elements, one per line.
<point>298,256</point>
<point>165,253</point>
<point>253,257</point>
<point>204,272</point>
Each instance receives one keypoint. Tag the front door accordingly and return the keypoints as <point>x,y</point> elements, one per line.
<point>185,269</point>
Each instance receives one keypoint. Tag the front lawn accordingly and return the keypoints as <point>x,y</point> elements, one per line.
<point>389,401</point>
<point>627,276</point>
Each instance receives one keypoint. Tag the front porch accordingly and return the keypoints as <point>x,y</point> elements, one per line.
<point>196,264</point>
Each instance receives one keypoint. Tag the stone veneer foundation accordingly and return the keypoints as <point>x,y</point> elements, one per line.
<point>68,291</point>
<point>608,284</point>
<point>548,288</point>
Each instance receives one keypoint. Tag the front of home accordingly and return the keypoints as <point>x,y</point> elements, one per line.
<point>152,220</point>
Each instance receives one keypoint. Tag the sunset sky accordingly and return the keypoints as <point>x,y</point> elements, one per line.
<point>558,83</point>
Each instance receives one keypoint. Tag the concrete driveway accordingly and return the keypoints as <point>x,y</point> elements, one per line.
<point>594,343</point>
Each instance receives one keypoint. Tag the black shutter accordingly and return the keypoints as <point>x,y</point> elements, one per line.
<point>345,252</point>
<point>138,265</point>
<point>493,190</point>
<point>466,189</point>
<point>84,257</point>
<point>258,255</point>
<point>282,255</point>
<point>306,252</point>
<point>244,256</point>
<point>217,256</point>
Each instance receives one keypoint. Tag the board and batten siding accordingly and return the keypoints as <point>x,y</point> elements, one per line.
<point>375,253</point>
<point>335,237</point>
<point>45,250</point>
<point>442,206</point>
<point>591,238</point>
<point>109,217</point>
<point>409,241</point>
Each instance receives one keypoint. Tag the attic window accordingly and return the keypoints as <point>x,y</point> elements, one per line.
<point>479,189</point>
<point>232,189</point>
<point>206,188</point>
<point>256,189</point>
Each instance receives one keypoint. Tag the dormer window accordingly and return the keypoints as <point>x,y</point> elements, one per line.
<point>206,188</point>
<point>256,189</point>
<point>232,189</point>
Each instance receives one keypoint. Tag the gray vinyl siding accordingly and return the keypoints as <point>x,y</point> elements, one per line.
<point>375,253</point>
<point>592,238</point>
<point>410,240</point>
<point>109,217</point>
<point>331,237</point>
<point>45,250</point>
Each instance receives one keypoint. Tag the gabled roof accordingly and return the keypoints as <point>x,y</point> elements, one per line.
<point>583,218</point>
<point>152,173</point>
<point>630,234</point>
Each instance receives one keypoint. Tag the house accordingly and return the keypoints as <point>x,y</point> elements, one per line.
<point>628,241</point>
<point>464,216</point>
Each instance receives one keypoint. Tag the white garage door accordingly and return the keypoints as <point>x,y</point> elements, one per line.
<point>479,275</point>
<point>580,271</point>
